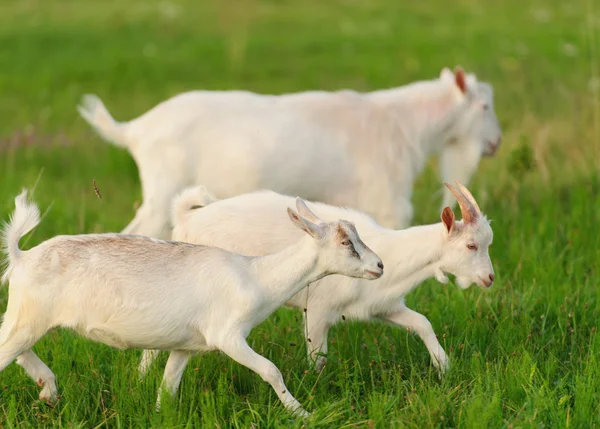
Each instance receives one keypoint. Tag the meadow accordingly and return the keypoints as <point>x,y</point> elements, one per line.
<point>524,354</point>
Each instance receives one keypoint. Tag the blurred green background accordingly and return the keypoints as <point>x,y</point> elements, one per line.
<point>524,354</point>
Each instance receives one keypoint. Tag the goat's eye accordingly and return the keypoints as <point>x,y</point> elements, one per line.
<point>471,247</point>
<point>485,106</point>
<point>346,243</point>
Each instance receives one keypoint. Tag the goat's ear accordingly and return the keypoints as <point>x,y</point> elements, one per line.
<point>305,212</point>
<point>460,79</point>
<point>305,225</point>
<point>448,219</point>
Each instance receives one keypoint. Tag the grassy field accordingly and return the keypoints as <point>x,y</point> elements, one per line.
<point>525,354</point>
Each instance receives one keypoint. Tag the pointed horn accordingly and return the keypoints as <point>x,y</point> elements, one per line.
<point>470,197</point>
<point>466,208</point>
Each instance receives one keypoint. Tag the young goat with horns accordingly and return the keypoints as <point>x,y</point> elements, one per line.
<point>252,224</point>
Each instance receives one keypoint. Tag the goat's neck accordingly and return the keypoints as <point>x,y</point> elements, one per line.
<point>415,254</point>
<point>425,111</point>
<point>283,274</point>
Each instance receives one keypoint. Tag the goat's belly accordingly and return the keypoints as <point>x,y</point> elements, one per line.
<point>144,337</point>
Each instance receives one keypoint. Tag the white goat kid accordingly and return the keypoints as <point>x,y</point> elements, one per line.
<point>139,292</point>
<point>360,150</point>
<point>250,224</point>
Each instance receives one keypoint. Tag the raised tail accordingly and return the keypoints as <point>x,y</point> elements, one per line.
<point>93,111</point>
<point>25,217</point>
<point>190,199</point>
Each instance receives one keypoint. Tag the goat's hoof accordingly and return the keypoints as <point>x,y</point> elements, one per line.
<point>320,364</point>
<point>48,399</point>
<point>301,412</point>
<point>442,368</point>
<point>49,393</point>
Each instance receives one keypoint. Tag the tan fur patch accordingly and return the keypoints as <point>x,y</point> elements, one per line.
<point>341,234</point>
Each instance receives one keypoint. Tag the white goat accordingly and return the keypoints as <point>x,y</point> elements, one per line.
<point>360,150</point>
<point>139,292</point>
<point>251,224</point>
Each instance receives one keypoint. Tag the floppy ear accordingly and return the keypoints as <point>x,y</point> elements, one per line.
<point>305,225</point>
<point>305,212</point>
<point>460,79</point>
<point>448,219</point>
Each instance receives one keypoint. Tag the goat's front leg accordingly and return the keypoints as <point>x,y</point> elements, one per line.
<point>382,197</point>
<point>237,348</point>
<point>458,162</point>
<point>176,364</point>
<point>402,212</point>
<point>412,320</point>
<point>41,374</point>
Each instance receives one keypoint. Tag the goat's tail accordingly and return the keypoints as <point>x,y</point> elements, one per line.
<point>25,217</point>
<point>93,111</point>
<point>190,199</point>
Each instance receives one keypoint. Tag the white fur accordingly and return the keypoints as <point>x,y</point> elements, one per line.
<point>252,224</point>
<point>24,219</point>
<point>139,292</point>
<point>361,150</point>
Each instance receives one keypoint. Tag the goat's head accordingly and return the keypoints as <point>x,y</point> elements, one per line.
<point>466,251</point>
<point>341,251</point>
<point>477,122</point>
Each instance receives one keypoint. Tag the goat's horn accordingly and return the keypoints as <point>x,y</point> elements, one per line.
<point>466,208</point>
<point>470,197</point>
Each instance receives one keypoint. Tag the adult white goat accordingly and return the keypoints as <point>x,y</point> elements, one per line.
<point>243,224</point>
<point>360,150</point>
<point>139,292</point>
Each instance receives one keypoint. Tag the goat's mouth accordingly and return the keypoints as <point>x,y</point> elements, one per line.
<point>485,284</point>
<point>490,148</point>
<point>375,274</point>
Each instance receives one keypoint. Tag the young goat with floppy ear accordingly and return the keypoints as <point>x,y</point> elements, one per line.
<point>252,224</point>
<point>138,292</point>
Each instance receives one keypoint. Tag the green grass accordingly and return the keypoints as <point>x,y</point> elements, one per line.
<point>524,354</point>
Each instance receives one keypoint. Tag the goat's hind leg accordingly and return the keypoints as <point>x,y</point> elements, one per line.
<point>148,356</point>
<point>159,186</point>
<point>176,364</point>
<point>16,342</point>
<point>149,221</point>
<point>17,337</point>
<point>41,374</point>
<point>315,333</point>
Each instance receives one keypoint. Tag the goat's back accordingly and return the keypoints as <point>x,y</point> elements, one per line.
<point>126,265</point>
<point>255,224</point>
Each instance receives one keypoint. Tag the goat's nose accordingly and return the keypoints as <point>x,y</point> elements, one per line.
<point>491,277</point>
<point>380,265</point>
